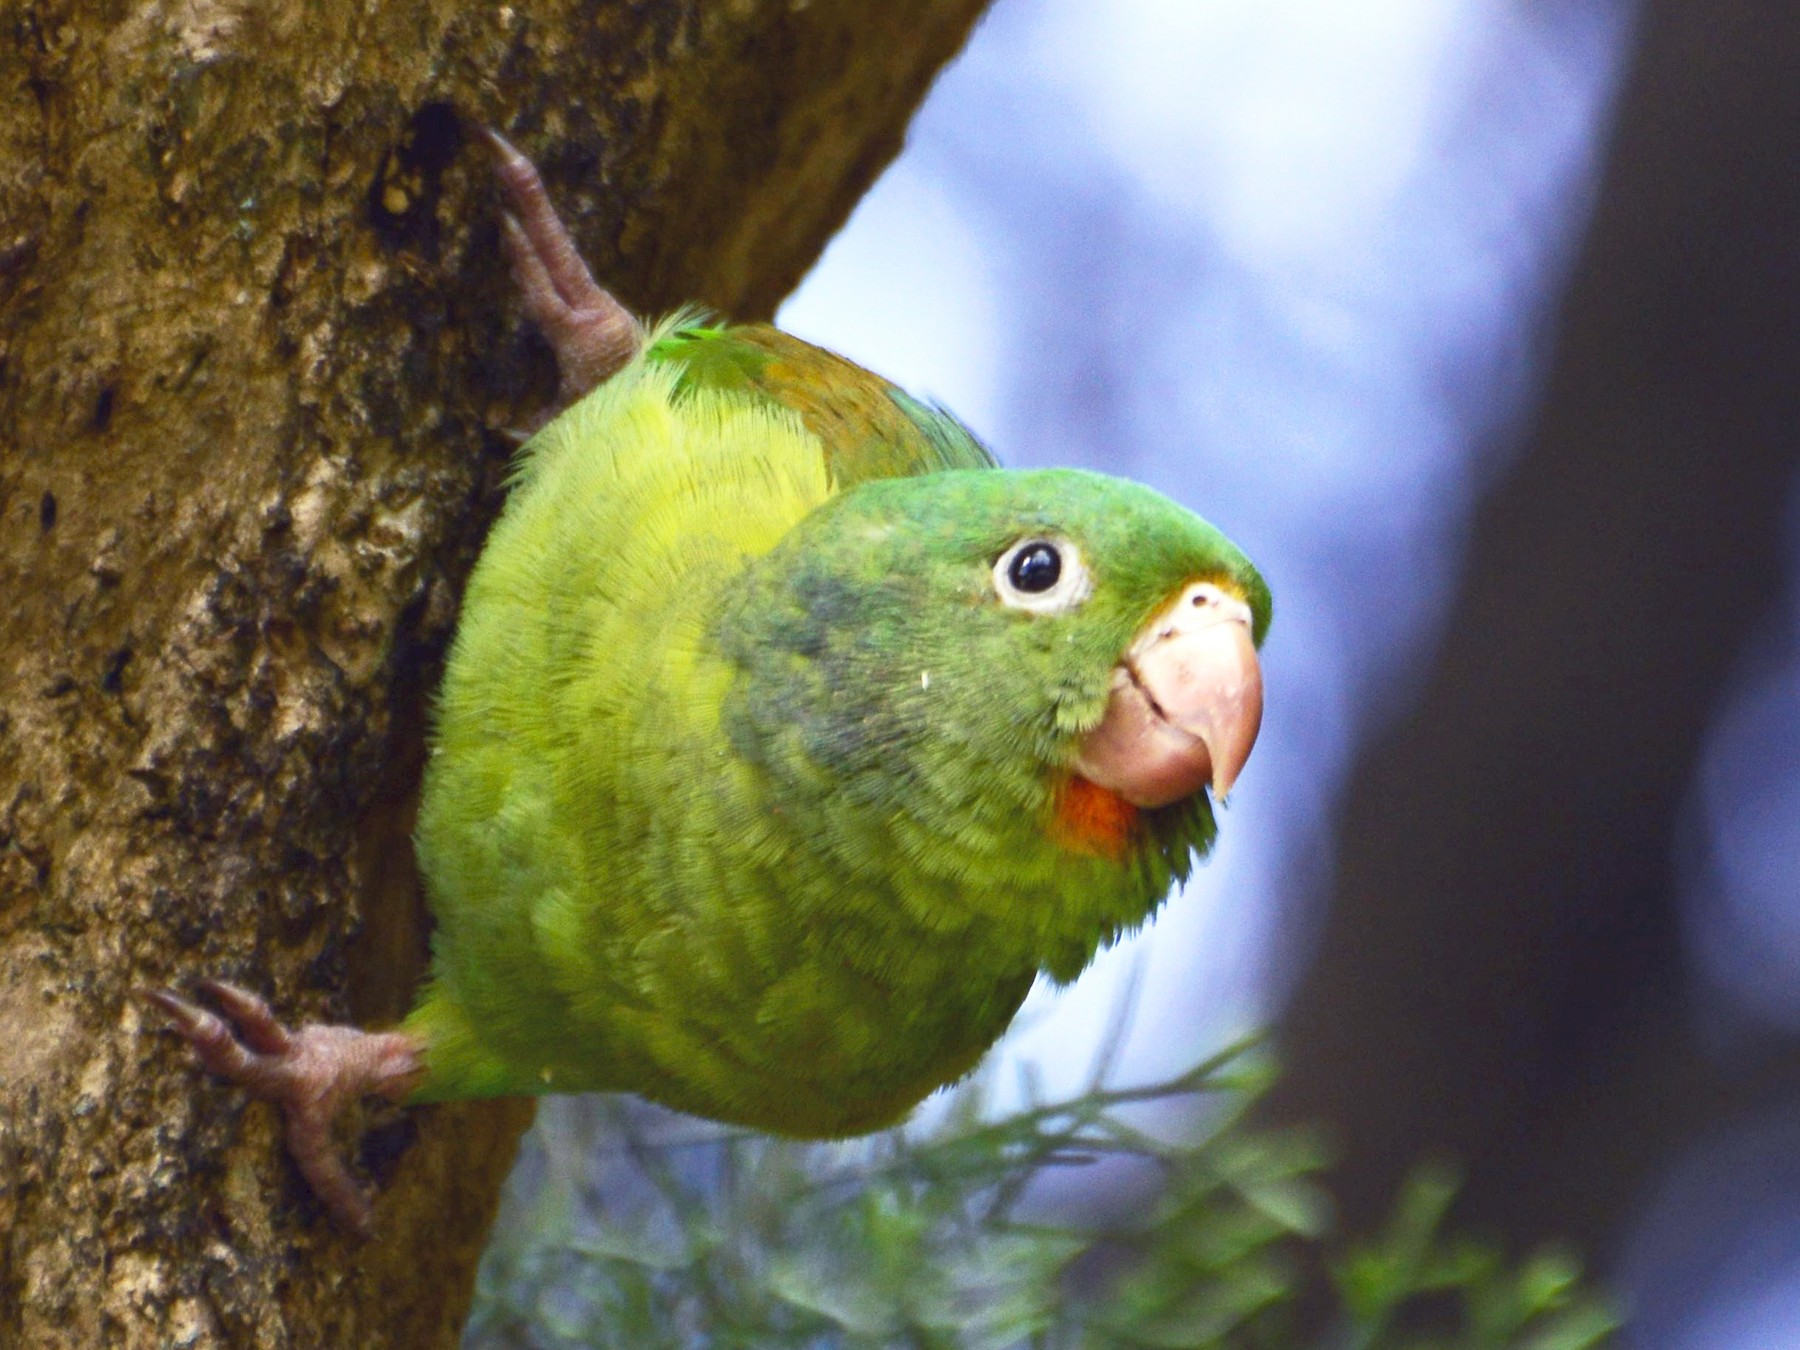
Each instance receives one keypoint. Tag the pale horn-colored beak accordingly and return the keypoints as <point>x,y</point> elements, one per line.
<point>1186,704</point>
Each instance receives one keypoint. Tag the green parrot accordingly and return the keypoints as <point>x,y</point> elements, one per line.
<point>784,742</point>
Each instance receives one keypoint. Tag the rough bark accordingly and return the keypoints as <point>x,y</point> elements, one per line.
<point>1502,976</point>
<point>256,357</point>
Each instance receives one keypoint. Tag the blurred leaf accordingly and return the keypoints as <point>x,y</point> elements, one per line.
<point>631,1227</point>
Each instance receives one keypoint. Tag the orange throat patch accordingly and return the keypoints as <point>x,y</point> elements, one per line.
<point>1093,819</point>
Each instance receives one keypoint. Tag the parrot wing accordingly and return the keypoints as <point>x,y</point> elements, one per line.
<point>869,429</point>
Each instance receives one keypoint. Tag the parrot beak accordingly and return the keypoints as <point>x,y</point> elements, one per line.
<point>1186,704</point>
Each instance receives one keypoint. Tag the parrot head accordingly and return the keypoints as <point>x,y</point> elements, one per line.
<point>1004,654</point>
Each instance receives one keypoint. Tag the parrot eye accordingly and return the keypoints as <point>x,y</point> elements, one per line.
<point>1035,567</point>
<point>1045,576</point>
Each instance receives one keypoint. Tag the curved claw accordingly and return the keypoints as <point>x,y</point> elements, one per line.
<point>254,1019</point>
<point>311,1073</point>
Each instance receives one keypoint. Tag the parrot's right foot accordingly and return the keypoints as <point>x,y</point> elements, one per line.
<point>311,1072</point>
<point>593,334</point>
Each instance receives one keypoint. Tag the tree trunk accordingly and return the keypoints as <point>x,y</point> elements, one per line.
<point>257,354</point>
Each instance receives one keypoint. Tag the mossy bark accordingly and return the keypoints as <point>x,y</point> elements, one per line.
<point>257,359</point>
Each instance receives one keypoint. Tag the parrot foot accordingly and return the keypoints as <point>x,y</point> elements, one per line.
<point>592,333</point>
<point>311,1072</point>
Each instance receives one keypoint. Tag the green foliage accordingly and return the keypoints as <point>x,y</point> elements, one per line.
<point>1539,1306</point>
<point>629,1227</point>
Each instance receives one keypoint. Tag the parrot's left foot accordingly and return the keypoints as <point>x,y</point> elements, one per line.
<point>311,1072</point>
<point>593,334</point>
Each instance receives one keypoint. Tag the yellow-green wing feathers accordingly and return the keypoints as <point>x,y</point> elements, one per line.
<point>580,679</point>
<point>867,428</point>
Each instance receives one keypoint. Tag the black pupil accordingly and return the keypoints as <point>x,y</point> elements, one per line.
<point>1035,568</point>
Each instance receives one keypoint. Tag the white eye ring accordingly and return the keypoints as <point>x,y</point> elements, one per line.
<point>1071,583</point>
